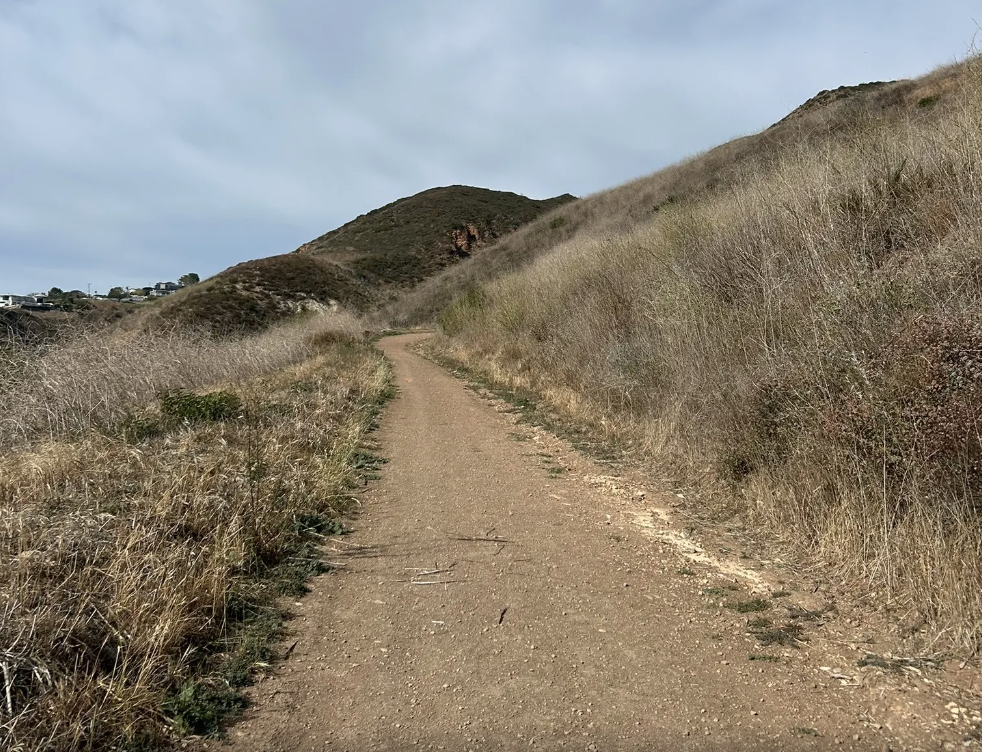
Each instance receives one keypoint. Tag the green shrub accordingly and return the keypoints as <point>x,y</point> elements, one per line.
<point>192,408</point>
<point>464,309</point>
<point>200,707</point>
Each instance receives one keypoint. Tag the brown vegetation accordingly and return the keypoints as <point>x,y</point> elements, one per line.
<point>147,527</point>
<point>844,114</point>
<point>255,295</point>
<point>792,321</point>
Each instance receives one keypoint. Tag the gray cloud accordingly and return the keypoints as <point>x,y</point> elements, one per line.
<point>143,138</point>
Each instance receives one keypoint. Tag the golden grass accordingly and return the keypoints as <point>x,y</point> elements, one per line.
<point>804,338</point>
<point>131,559</point>
<point>91,378</point>
<point>624,208</point>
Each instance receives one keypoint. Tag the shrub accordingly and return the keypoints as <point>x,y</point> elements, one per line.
<point>189,407</point>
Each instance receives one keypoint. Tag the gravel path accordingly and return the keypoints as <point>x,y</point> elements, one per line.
<point>501,593</point>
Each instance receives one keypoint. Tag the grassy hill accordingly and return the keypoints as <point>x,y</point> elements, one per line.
<point>790,325</point>
<point>358,265</point>
<point>254,295</point>
<point>409,240</point>
<point>17,326</point>
<point>836,116</point>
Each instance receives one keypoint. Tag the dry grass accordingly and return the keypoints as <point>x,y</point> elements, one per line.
<point>138,548</point>
<point>639,202</point>
<point>803,337</point>
<point>92,378</point>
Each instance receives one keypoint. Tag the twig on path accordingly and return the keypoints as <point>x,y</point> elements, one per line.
<point>844,680</point>
<point>501,618</point>
<point>427,572</point>
<point>434,582</point>
<point>478,539</point>
<point>349,544</point>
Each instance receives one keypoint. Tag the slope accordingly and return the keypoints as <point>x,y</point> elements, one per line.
<point>831,116</point>
<point>412,238</point>
<point>358,265</point>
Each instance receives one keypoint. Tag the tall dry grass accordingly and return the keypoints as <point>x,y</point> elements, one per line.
<point>138,567</point>
<point>804,339</point>
<point>90,378</point>
<point>618,210</point>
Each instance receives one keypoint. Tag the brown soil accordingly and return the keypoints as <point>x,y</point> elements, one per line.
<point>502,592</point>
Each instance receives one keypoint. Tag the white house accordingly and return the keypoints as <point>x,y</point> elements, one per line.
<point>15,301</point>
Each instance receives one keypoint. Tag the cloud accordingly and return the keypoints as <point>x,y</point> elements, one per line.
<point>147,138</point>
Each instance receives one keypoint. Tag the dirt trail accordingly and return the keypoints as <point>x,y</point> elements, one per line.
<point>496,598</point>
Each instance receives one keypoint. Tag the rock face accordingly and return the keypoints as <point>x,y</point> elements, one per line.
<point>464,239</point>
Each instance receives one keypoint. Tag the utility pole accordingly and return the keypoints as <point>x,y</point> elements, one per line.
<point>89,288</point>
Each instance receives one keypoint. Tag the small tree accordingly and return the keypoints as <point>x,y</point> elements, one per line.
<point>75,300</point>
<point>55,292</point>
<point>188,279</point>
<point>116,293</point>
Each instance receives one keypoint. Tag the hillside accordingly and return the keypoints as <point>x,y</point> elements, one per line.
<point>28,327</point>
<point>410,239</point>
<point>359,265</point>
<point>17,326</point>
<point>789,325</point>
<point>836,115</point>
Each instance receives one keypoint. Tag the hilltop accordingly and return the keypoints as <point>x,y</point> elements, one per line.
<point>409,240</point>
<point>358,265</point>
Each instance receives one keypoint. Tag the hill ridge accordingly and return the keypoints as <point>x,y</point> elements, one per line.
<point>358,265</point>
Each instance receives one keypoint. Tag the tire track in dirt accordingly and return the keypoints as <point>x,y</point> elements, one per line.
<point>496,596</point>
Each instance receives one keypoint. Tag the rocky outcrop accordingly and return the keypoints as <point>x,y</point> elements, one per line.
<point>464,239</point>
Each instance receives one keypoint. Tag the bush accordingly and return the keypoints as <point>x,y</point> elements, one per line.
<point>191,408</point>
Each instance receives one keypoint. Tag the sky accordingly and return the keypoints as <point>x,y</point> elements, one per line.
<point>144,139</point>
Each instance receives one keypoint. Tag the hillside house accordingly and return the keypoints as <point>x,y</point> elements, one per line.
<point>164,288</point>
<point>12,301</point>
<point>30,302</point>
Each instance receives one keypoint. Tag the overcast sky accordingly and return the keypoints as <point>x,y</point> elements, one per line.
<point>142,139</point>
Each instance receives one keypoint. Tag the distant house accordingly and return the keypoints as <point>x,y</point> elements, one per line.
<point>12,301</point>
<point>30,302</point>
<point>164,288</point>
